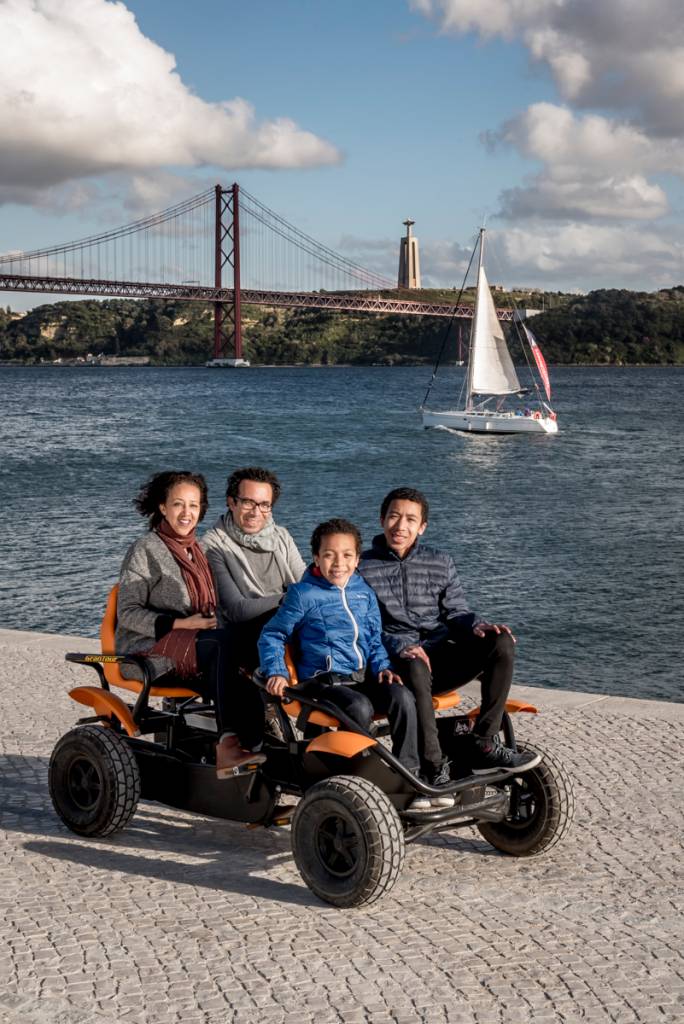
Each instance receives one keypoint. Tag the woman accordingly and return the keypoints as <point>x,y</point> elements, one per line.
<point>166,610</point>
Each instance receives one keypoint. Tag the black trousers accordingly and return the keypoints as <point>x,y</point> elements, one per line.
<point>362,700</point>
<point>455,661</point>
<point>238,702</point>
<point>245,636</point>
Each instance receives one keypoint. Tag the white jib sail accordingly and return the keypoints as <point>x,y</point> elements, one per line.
<point>493,372</point>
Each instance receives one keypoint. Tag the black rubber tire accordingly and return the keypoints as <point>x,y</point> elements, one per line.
<point>94,781</point>
<point>546,807</point>
<point>347,841</point>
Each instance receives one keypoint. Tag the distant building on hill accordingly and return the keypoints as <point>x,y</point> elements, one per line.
<point>409,261</point>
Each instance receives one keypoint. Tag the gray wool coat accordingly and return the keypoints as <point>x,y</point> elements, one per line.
<point>151,590</point>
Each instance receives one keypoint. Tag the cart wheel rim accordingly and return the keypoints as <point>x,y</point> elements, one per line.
<point>338,846</point>
<point>525,804</point>
<point>84,783</point>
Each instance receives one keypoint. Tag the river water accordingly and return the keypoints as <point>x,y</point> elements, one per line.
<point>576,540</point>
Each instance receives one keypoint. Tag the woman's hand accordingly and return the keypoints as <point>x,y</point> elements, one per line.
<point>276,685</point>
<point>195,622</point>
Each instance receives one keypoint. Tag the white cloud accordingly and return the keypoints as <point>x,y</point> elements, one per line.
<point>572,142</point>
<point>589,256</point>
<point>568,257</point>
<point>85,93</point>
<point>630,197</point>
<point>593,167</point>
<point>615,55</point>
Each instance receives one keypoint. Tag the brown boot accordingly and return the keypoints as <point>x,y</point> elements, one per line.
<point>230,755</point>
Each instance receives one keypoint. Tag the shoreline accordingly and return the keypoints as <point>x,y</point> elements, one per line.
<point>546,696</point>
<point>326,366</point>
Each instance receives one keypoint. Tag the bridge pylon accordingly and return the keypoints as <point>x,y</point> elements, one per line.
<point>227,315</point>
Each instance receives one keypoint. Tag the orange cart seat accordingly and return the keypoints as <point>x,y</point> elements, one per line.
<point>112,671</point>
<point>294,708</point>
<point>440,701</point>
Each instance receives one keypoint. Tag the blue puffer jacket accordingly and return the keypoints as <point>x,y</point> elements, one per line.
<point>420,595</point>
<point>330,629</point>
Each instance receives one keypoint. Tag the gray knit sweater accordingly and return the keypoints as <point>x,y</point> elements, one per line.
<point>243,589</point>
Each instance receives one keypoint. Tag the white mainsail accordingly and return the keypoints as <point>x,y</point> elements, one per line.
<point>492,370</point>
<point>491,373</point>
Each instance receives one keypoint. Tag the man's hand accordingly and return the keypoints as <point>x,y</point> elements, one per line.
<point>276,685</point>
<point>386,675</point>
<point>492,627</point>
<point>195,622</point>
<point>416,651</point>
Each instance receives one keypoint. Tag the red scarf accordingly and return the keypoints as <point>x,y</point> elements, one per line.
<point>193,566</point>
<point>179,644</point>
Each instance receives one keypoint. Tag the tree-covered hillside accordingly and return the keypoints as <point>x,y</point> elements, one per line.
<point>609,327</point>
<point>616,327</point>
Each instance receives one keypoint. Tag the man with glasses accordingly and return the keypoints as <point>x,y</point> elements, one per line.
<point>253,560</point>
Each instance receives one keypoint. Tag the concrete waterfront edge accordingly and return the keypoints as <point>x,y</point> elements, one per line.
<point>543,696</point>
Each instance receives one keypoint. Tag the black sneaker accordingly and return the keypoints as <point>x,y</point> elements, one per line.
<point>441,776</point>
<point>489,756</point>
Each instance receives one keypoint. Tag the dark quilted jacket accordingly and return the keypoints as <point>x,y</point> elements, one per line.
<point>418,595</point>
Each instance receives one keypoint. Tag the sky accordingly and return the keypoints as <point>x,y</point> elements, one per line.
<point>558,122</point>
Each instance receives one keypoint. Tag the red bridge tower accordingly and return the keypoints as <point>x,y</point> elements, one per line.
<point>227,322</point>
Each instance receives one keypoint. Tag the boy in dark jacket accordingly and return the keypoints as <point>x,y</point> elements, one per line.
<point>436,642</point>
<point>333,621</point>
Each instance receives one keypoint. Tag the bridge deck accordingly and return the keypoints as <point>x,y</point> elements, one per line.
<point>346,302</point>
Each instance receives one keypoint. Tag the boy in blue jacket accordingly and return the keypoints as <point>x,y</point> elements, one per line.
<point>332,619</point>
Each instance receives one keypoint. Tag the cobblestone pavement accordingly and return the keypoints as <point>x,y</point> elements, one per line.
<point>183,918</point>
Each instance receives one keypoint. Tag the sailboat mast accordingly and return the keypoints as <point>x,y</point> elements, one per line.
<point>471,361</point>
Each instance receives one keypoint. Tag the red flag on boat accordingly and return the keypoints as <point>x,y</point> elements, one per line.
<point>540,361</point>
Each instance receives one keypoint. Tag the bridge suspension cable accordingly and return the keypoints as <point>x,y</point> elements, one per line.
<point>341,273</point>
<point>171,245</point>
<point>214,248</point>
<point>175,246</point>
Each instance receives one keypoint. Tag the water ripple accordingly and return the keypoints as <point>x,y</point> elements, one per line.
<point>577,541</point>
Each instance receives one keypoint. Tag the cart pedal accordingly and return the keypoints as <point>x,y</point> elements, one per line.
<point>282,815</point>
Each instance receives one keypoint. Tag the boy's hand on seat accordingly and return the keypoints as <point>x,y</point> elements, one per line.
<point>276,685</point>
<point>386,675</point>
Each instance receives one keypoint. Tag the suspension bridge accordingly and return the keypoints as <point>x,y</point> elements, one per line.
<point>223,247</point>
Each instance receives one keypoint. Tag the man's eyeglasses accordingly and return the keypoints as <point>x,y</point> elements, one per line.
<point>251,505</point>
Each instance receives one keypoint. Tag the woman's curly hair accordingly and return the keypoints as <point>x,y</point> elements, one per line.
<point>155,492</point>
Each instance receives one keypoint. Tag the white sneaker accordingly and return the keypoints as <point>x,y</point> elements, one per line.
<point>445,800</point>
<point>420,803</point>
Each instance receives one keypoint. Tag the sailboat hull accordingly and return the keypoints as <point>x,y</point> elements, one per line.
<point>490,422</point>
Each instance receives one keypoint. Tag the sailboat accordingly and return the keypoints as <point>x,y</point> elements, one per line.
<point>492,377</point>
